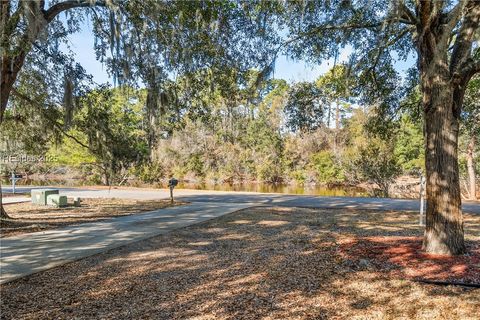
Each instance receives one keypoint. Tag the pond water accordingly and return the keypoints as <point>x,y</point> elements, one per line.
<point>281,188</point>
<point>247,187</point>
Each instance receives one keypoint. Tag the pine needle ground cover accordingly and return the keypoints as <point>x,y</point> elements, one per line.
<point>263,263</point>
<point>28,217</point>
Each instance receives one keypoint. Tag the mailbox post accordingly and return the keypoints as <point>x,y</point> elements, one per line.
<point>172,183</point>
<point>421,221</point>
<point>14,179</point>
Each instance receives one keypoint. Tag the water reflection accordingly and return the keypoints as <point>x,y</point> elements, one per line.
<point>281,188</point>
<point>247,187</point>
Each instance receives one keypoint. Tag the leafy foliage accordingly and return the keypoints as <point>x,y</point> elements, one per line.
<point>106,134</point>
<point>376,163</point>
<point>305,108</point>
<point>409,146</point>
<point>326,168</point>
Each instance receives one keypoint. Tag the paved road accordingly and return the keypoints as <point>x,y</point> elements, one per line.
<point>10,200</point>
<point>26,254</point>
<point>323,202</point>
<point>258,198</point>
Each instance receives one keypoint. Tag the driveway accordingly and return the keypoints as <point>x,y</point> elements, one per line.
<point>33,252</point>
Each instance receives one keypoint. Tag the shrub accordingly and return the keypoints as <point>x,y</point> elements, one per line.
<point>150,172</point>
<point>325,168</point>
<point>376,163</point>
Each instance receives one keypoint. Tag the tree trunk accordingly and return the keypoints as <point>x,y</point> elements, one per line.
<point>337,127</point>
<point>329,114</point>
<point>106,178</point>
<point>10,67</point>
<point>444,221</point>
<point>3,213</point>
<point>471,169</point>
<point>6,85</point>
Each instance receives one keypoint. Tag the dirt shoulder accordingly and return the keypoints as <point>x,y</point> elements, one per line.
<point>28,217</point>
<point>269,263</point>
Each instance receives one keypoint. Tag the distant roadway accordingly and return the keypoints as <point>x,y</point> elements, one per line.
<point>251,198</point>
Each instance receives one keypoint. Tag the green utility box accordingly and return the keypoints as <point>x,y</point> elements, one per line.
<point>56,200</point>
<point>39,196</point>
<point>77,202</point>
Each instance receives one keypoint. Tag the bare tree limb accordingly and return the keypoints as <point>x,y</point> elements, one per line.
<point>65,133</point>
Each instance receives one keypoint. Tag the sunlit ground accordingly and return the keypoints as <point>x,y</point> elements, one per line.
<point>271,263</point>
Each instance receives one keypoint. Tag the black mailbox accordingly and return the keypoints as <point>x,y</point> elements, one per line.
<point>16,176</point>
<point>172,183</point>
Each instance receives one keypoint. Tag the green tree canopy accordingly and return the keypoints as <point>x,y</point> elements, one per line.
<point>305,107</point>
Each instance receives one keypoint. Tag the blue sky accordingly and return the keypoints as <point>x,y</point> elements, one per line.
<point>292,71</point>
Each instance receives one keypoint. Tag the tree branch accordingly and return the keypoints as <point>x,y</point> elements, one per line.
<point>475,67</point>
<point>409,16</point>
<point>471,67</point>
<point>54,10</point>
<point>65,133</point>
<point>54,122</point>
<point>328,27</point>
<point>425,11</point>
<point>463,43</point>
<point>438,7</point>
<point>453,17</point>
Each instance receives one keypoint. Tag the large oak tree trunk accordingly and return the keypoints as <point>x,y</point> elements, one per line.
<point>446,64</point>
<point>3,213</point>
<point>9,69</point>
<point>471,169</point>
<point>444,221</point>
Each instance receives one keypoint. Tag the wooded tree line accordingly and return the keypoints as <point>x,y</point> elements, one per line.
<point>303,133</point>
<point>150,40</point>
<point>264,135</point>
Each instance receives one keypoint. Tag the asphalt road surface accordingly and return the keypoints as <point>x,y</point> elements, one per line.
<point>251,198</point>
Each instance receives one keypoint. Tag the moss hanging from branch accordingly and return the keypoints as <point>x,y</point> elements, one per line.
<point>68,100</point>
